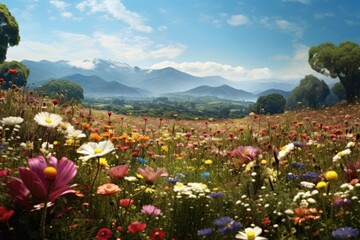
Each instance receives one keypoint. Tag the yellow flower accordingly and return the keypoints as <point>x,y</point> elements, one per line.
<point>208,162</point>
<point>263,162</point>
<point>103,162</point>
<point>331,175</point>
<point>321,185</point>
<point>165,148</point>
<point>138,175</point>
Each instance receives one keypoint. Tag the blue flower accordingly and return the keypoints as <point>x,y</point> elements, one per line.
<point>299,144</point>
<point>2,147</point>
<point>205,175</point>
<point>223,221</point>
<point>172,180</point>
<point>141,161</point>
<point>204,232</point>
<point>310,175</point>
<point>345,232</point>
<point>229,228</point>
<point>298,165</point>
<point>290,177</point>
<point>216,195</point>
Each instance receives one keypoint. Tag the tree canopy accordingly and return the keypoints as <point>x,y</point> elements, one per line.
<point>271,103</point>
<point>311,92</point>
<point>63,87</point>
<point>9,31</point>
<point>15,73</point>
<point>341,62</point>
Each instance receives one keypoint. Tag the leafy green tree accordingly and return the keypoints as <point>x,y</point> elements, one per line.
<point>342,62</point>
<point>339,90</point>
<point>271,103</point>
<point>311,92</point>
<point>15,73</point>
<point>58,87</point>
<point>9,31</point>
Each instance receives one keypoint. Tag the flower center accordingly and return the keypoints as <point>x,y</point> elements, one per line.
<point>48,120</point>
<point>97,150</point>
<point>50,173</point>
<point>250,235</point>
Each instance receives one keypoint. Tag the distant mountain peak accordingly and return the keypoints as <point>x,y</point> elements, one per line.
<point>89,64</point>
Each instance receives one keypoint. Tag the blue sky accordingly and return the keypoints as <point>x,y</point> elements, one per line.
<point>236,39</point>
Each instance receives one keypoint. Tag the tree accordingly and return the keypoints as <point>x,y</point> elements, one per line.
<point>311,92</point>
<point>339,90</point>
<point>9,31</point>
<point>342,62</point>
<point>271,103</point>
<point>15,73</point>
<point>70,90</point>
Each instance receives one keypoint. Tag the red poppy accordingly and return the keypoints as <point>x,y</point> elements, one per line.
<point>103,234</point>
<point>126,202</point>
<point>12,71</point>
<point>136,227</point>
<point>157,234</point>
<point>55,101</point>
<point>5,215</point>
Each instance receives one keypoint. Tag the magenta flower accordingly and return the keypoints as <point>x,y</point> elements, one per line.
<point>150,210</point>
<point>119,171</point>
<point>35,180</point>
<point>245,154</point>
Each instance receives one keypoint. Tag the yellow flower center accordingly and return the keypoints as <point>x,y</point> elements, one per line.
<point>97,150</point>
<point>250,235</point>
<point>48,120</point>
<point>50,173</point>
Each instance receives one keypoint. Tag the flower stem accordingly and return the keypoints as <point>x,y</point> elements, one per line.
<point>92,185</point>
<point>43,215</point>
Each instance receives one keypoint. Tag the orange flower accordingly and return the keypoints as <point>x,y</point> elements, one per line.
<point>108,189</point>
<point>95,137</point>
<point>303,215</point>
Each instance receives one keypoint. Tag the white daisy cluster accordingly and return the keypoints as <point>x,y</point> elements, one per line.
<point>285,150</point>
<point>305,198</point>
<point>191,190</point>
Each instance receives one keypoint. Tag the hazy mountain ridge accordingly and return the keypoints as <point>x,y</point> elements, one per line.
<point>122,79</point>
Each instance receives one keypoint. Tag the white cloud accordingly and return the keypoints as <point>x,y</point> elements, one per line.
<point>117,10</point>
<point>299,1</point>
<point>237,20</point>
<point>201,69</point>
<point>59,4</point>
<point>289,27</point>
<point>169,52</point>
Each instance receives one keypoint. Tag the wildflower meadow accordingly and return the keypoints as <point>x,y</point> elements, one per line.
<point>68,172</point>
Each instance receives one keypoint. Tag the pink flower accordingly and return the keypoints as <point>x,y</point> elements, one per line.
<point>108,189</point>
<point>136,227</point>
<point>119,171</point>
<point>150,175</point>
<point>126,202</point>
<point>5,215</point>
<point>245,154</point>
<point>150,210</point>
<point>33,180</point>
<point>103,234</point>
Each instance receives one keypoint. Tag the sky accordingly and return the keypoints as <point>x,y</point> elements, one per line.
<point>236,39</point>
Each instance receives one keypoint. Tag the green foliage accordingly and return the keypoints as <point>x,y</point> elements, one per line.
<point>271,103</point>
<point>311,92</point>
<point>9,31</point>
<point>19,78</point>
<point>342,62</point>
<point>339,90</point>
<point>70,90</point>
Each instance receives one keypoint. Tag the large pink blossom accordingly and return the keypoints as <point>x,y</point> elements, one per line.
<point>150,175</point>
<point>33,180</point>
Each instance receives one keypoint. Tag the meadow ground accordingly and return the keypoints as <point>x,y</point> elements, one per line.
<point>72,173</point>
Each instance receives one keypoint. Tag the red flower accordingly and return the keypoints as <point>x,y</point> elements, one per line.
<point>5,215</point>
<point>12,71</point>
<point>126,202</point>
<point>135,227</point>
<point>157,234</point>
<point>103,234</point>
<point>55,101</point>
<point>2,80</point>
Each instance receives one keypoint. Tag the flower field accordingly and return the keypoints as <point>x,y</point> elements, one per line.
<point>72,173</point>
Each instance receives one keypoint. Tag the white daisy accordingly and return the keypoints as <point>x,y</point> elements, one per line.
<point>93,149</point>
<point>250,234</point>
<point>74,134</point>
<point>47,119</point>
<point>12,121</point>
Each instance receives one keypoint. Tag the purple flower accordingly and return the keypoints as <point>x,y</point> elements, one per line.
<point>298,165</point>
<point>345,232</point>
<point>216,194</point>
<point>222,221</point>
<point>204,232</point>
<point>230,227</point>
<point>150,210</point>
<point>33,180</point>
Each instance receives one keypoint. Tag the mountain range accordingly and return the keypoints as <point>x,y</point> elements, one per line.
<point>100,77</point>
